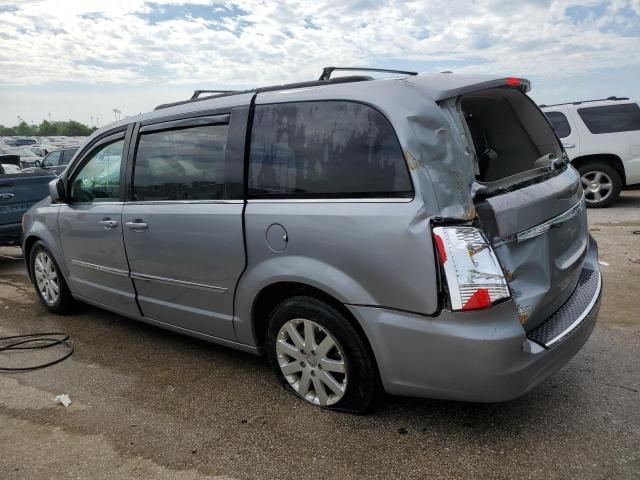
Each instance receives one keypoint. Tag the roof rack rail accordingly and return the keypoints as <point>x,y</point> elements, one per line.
<point>327,71</point>
<point>273,88</point>
<point>197,93</point>
<point>612,98</point>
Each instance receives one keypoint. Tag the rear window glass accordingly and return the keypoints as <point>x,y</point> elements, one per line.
<point>560,123</point>
<point>324,150</point>
<point>186,164</point>
<point>611,118</point>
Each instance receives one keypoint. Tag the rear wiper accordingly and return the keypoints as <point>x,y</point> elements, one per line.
<point>557,163</point>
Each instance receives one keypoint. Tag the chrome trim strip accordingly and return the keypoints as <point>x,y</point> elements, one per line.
<point>546,226</point>
<point>101,268</point>
<point>331,200</point>
<point>180,283</point>
<point>182,202</point>
<point>579,320</point>
<point>91,203</point>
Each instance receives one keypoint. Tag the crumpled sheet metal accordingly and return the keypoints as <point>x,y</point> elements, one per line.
<point>436,155</point>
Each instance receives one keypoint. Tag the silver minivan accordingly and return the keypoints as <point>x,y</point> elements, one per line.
<point>421,234</point>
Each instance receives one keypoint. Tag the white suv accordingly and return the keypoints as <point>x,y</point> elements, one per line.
<point>602,139</point>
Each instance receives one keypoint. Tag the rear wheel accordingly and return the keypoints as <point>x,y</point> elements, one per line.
<point>601,183</point>
<point>319,356</point>
<point>48,280</point>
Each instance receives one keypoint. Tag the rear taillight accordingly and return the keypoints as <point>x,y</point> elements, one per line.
<point>472,272</point>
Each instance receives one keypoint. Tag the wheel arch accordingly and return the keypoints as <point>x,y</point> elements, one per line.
<point>56,252</point>
<point>607,158</point>
<point>272,295</point>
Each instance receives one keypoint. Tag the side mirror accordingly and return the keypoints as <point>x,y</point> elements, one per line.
<point>37,163</point>
<point>56,190</point>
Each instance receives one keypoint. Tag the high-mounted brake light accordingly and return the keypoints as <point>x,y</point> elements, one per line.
<point>513,81</point>
<point>473,274</point>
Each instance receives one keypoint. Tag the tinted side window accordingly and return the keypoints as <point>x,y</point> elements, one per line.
<point>99,179</point>
<point>611,118</point>
<point>560,123</point>
<point>52,159</point>
<point>67,155</point>
<point>325,149</point>
<point>185,164</point>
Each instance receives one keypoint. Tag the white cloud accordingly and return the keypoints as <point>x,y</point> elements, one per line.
<point>248,43</point>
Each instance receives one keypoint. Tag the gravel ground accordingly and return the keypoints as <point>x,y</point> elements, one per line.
<point>147,403</point>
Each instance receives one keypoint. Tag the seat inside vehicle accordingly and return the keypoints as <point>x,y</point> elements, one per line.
<point>510,135</point>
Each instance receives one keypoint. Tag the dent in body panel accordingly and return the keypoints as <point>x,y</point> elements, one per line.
<point>444,164</point>
<point>544,268</point>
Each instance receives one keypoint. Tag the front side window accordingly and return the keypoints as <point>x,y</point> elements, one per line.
<point>185,164</point>
<point>611,118</point>
<point>328,149</point>
<point>52,159</point>
<point>560,123</point>
<point>99,179</point>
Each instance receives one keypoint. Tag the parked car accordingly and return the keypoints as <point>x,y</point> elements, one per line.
<point>9,168</point>
<point>27,157</point>
<point>425,233</point>
<point>20,142</point>
<point>18,192</point>
<point>55,161</point>
<point>602,138</point>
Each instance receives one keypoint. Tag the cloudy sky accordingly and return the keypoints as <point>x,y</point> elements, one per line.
<point>81,59</point>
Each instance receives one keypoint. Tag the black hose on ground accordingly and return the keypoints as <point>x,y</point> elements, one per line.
<point>35,341</point>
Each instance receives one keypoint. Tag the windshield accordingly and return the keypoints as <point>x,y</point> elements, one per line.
<point>10,168</point>
<point>23,152</point>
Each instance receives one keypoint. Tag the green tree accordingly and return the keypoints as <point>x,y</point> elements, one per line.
<point>24,129</point>
<point>73,128</point>
<point>46,128</point>
<point>7,131</point>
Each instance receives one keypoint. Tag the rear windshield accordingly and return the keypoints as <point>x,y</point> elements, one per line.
<point>611,118</point>
<point>323,150</point>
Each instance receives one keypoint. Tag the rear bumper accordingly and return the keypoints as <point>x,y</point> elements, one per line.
<point>482,356</point>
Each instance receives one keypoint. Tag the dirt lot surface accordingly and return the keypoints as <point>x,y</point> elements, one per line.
<point>147,403</point>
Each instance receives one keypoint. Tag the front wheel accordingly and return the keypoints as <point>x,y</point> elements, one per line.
<point>601,183</point>
<point>318,355</point>
<point>50,286</point>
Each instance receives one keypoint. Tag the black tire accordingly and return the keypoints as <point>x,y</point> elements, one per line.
<point>361,372</point>
<point>586,172</point>
<point>64,303</point>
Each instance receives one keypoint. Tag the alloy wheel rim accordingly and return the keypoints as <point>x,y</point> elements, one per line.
<point>597,186</point>
<point>312,362</point>
<point>46,278</point>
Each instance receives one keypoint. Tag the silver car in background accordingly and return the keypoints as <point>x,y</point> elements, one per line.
<point>423,234</point>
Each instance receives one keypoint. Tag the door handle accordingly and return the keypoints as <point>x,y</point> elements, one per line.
<point>6,196</point>
<point>137,225</point>
<point>568,145</point>
<point>108,223</point>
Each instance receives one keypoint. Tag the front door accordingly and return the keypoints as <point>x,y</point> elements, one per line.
<point>183,232</point>
<point>90,227</point>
